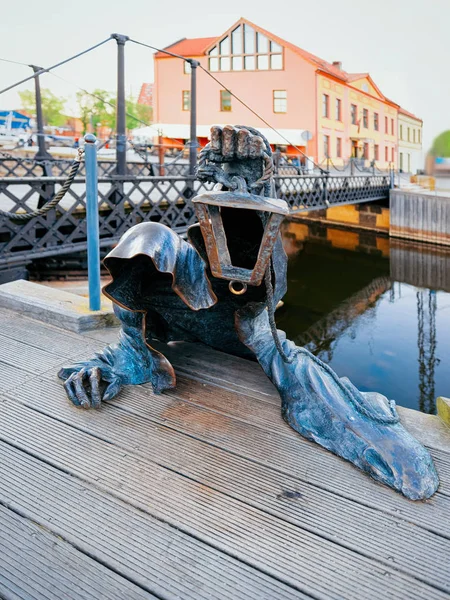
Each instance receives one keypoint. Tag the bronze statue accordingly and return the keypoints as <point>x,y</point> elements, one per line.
<point>221,288</point>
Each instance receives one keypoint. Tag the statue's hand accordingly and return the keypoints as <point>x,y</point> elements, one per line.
<point>238,149</point>
<point>86,386</point>
<point>232,143</point>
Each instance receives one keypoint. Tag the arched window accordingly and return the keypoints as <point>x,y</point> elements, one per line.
<point>245,49</point>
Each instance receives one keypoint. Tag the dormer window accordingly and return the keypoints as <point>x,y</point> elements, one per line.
<point>246,49</point>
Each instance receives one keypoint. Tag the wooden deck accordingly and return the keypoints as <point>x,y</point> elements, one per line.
<point>200,493</point>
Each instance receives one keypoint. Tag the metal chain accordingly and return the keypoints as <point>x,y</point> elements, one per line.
<point>25,159</point>
<point>55,200</point>
<point>384,420</point>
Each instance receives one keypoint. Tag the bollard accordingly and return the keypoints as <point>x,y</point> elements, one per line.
<point>93,242</point>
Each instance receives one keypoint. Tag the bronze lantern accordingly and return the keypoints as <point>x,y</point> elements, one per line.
<point>208,208</point>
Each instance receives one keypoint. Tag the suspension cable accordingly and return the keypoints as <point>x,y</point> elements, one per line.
<point>48,69</point>
<point>323,171</point>
<point>234,95</point>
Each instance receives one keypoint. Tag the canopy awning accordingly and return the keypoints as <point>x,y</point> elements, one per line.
<point>280,137</point>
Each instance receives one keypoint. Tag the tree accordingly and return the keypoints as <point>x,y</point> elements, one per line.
<point>97,108</point>
<point>52,106</point>
<point>441,145</point>
<point>137,114</point>
<point>100,107</point>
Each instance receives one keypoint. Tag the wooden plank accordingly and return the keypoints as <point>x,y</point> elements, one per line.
<point>192,507</point>
<point>209,365</point>
<point>36,565</point>
<point>428,429</point>
<point>10,376</point>
<point>26,358</point>
<point>44,336</point>
<point>149,553</point>
<point>297,458</point>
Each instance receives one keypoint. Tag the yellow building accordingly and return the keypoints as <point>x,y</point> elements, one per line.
<point>355,120</point>
<point>409,142</point>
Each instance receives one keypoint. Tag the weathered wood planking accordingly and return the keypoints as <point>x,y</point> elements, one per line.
<point>47,567</point>
<point>144,550</point>
<point>191,506</point>
<point>421,217</point>
<point>213,463</point>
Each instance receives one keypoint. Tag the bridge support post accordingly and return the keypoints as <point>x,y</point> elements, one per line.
<point>193,130</point>
<point>42,155</point>
<point>92,226</point>
<point>121,132</point>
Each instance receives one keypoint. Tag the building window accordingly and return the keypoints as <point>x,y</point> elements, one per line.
<point>225,101</point>
<point>392,126</point>
<point>325,105</point>
<point>339,147</point>
<point>392,154</point>
<point>326,145</point>
<point>418,136</point>
<point>279,101</point>
<point>401,132</point>
<point>375,121</point>
<point>366,151</point>
<point>187,67</point>
<point>414,135</point>
<point>386,153</point>
<point>409,134</point>
<point>386,125</point>
<point>338,109</point>
<point>186,100</point>
<point>365,118</point>
<point>376,152</point>
<point>354,114</point>
<point>246,49</point>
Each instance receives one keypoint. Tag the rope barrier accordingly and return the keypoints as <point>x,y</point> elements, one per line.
<point>54,201</point>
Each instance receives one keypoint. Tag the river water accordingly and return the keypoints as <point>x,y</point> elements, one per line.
<point>377,310</point>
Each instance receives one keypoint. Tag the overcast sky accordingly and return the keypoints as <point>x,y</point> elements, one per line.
<point>404,44</point>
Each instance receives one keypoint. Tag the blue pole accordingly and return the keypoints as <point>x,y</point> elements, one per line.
<point>93,242</point>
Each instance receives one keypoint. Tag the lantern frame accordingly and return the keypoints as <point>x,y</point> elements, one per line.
<point>207,208</point>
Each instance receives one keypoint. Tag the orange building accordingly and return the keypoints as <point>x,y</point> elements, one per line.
<point>297,93</point>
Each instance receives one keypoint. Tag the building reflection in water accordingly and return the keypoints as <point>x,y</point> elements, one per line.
<point>337,281</point>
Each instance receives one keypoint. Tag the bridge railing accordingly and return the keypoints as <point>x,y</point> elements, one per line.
<point>309,192</point>
<point>139,196</point>
<point>57,167</point>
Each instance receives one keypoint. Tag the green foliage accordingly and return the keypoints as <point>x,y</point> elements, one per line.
<point>100,108</point>
<point>441,145</point>
<point>137,114</point>
<point>52,106</point>
<point>96,109</point>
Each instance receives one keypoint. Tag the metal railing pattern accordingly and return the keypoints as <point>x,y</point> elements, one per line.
<point>140,195</point>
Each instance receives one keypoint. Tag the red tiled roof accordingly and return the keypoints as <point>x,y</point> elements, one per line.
<point>188,47</point>
<point>199,47</point>
<point>408,114</point>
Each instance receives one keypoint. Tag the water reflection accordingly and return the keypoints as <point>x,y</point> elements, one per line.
<point>377,310</point>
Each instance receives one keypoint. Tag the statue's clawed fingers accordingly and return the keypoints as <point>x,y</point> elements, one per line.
<point>83,388</point>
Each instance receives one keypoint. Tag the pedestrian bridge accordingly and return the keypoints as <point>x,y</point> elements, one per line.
<point>140,195</point>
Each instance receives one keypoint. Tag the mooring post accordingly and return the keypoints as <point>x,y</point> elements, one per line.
<point>121,133</point>
<point>161,155</point>
<point>93,241</point>
<point>391,177</point>
<point>193,132</point>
